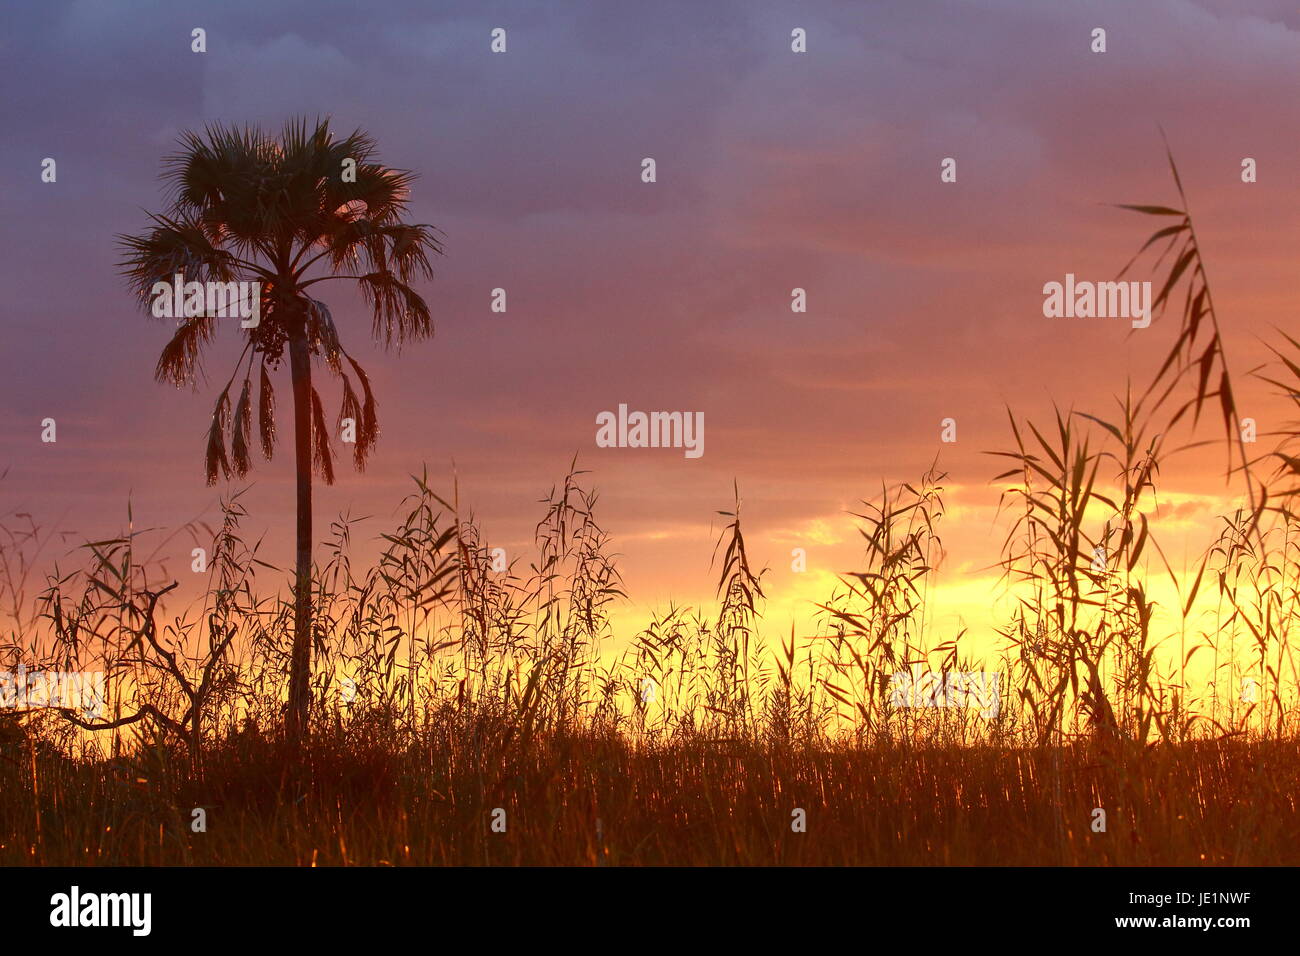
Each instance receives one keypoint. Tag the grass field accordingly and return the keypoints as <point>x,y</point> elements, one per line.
<point>360,798</point>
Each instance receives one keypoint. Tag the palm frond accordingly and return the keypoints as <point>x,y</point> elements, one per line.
<point>266,414</point>
<point>322,453</point>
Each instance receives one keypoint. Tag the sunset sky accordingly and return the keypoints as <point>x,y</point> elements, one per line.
<point>775,170</point>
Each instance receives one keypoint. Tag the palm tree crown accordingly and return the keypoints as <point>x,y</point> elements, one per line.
<point>285,213</point>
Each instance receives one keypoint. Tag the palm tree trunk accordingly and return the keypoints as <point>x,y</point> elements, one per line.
<point>300,662</point>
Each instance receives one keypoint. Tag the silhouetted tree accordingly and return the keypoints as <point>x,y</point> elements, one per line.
<point>288,213</point>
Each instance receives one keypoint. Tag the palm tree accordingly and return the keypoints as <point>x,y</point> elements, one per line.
<point>289,214</point>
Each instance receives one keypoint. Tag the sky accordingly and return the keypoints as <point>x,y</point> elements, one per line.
<point>775,170</point>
